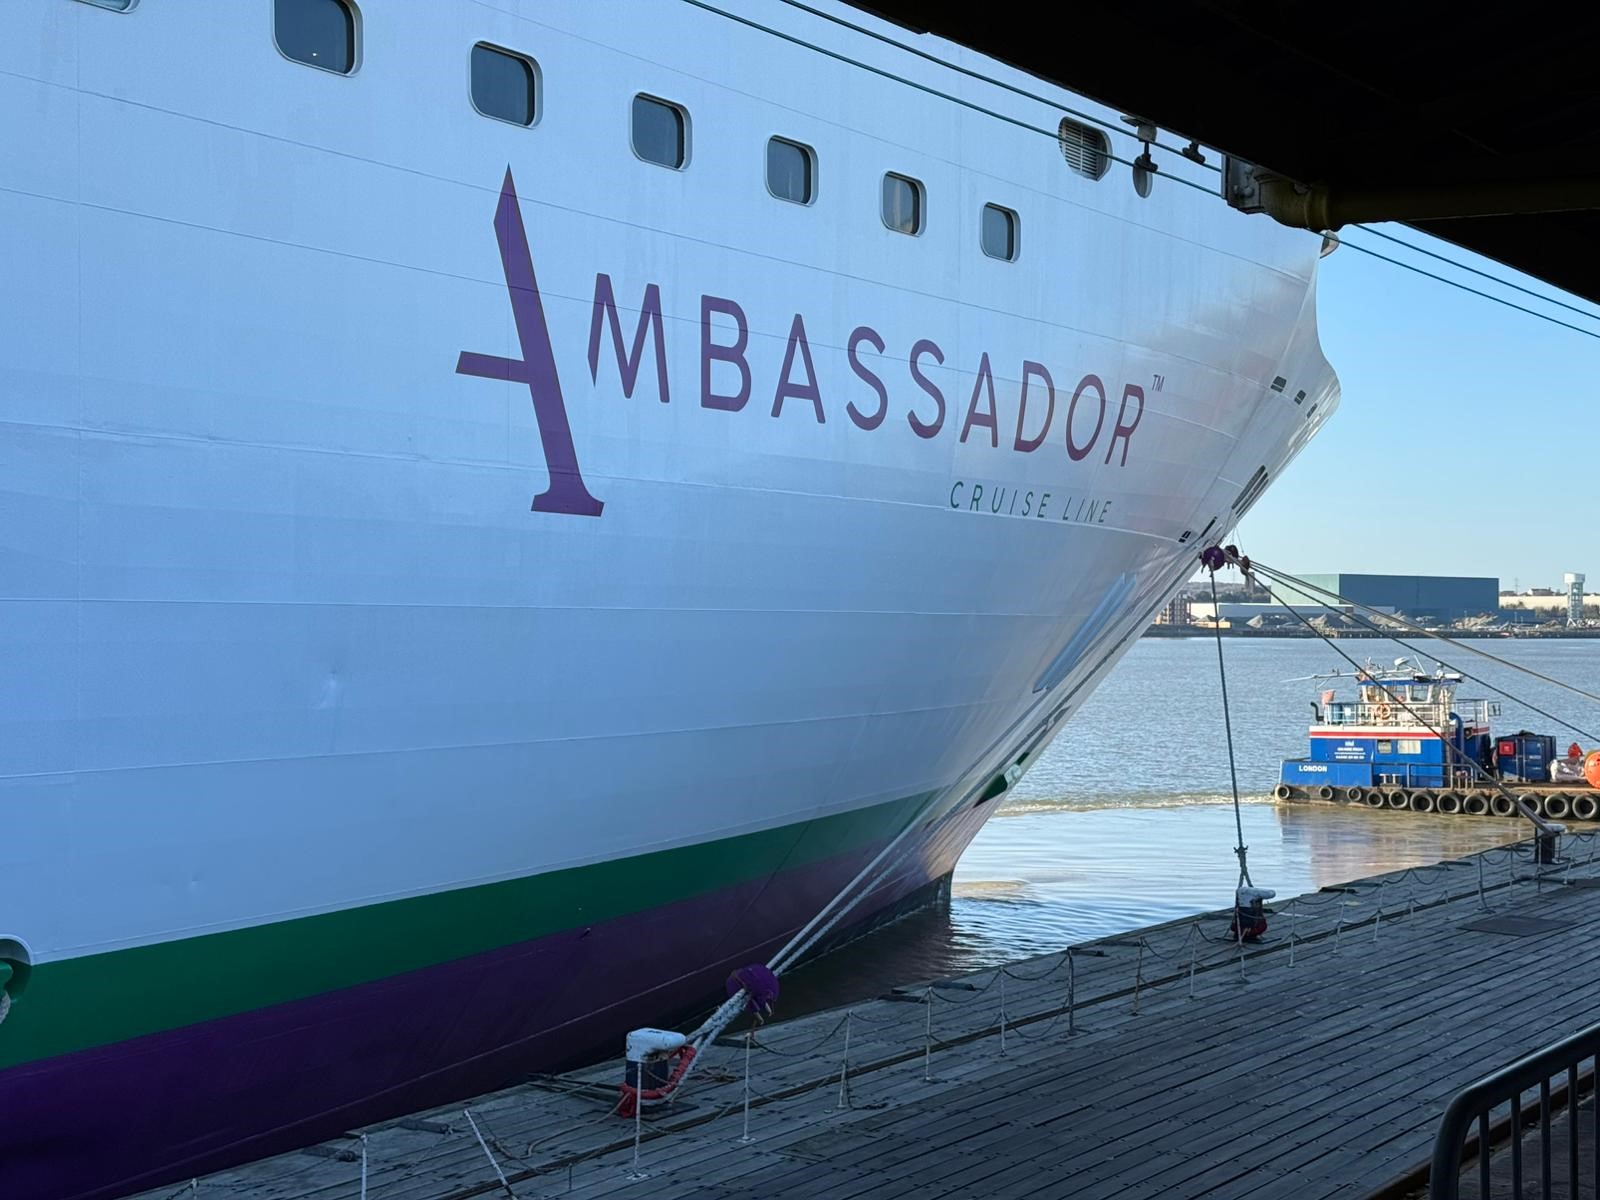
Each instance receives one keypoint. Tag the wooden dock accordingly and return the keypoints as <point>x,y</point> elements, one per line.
<point>1163,1063</point>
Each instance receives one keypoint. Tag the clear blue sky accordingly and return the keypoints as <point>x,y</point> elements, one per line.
<point>1466,439</point>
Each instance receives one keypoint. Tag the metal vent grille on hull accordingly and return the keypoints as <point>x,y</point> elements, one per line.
<point>1086,149</point>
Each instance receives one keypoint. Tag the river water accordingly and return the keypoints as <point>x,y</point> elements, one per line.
<point>1127,818</point>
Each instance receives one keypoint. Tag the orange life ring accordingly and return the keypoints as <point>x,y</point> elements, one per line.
<point>1591,768</point>
<point>1384,712</point>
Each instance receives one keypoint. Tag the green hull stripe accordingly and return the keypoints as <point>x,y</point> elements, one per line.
<point>98,999</point>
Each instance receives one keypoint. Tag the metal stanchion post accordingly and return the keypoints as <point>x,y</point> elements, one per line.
<point>927,1038</point>
<point>844,1067</point>
<point>749,1038</point>
<point>638,1172</point>
<point>1002,1010</point>
<point>1072,993</point>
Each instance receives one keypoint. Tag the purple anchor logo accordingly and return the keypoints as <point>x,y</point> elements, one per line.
<point>536,368</point>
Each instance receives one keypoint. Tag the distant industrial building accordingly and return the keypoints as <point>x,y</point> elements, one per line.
<point>1440,597</point>
<point>1571,602</point>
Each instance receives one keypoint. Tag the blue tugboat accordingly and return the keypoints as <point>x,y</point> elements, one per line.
<point>1408,742</point>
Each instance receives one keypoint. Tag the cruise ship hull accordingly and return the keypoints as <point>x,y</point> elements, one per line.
<point>198,1098</point>
<point>468,585</point>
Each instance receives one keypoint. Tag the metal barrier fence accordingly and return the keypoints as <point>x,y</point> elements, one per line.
<point>1574,1057</point>
<point>544,1130</point>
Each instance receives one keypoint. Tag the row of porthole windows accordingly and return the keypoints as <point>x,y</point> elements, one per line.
<point>660,135</point>
<point>905,201</point>
<point>506,86</point>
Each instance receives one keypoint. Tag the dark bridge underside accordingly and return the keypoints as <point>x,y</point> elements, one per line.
<point>1389,105</point>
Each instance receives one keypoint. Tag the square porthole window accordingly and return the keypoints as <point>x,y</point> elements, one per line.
<point>998,234</point>
<point>791,170</point>
<point>319,33</point>
<point>660,132</point>
<point>902,204</point>
<point>505,86</point>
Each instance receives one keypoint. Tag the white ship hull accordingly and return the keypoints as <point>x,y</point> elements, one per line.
<point>302,626</point>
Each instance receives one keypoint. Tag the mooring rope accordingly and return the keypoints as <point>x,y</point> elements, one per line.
<point>1307,588</point>
<point>1390,635</point>
<point>1403,893</point>
<point>834,912</point>
<point>1471,764</point>
<point>1229,555</point>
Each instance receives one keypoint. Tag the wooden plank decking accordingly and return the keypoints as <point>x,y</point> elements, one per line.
<point>1315,1066</point>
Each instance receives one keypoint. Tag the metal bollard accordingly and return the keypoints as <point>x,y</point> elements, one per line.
<point>1548,849</point>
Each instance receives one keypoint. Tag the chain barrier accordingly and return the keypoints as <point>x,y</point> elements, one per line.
<point>1181,950</point>
<point>809,1050</point>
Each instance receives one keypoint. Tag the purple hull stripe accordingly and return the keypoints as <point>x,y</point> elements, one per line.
<point>106,1122</point>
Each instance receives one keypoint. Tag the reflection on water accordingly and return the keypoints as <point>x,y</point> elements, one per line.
<point>1126,819</point>
<point>1034,882</point>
